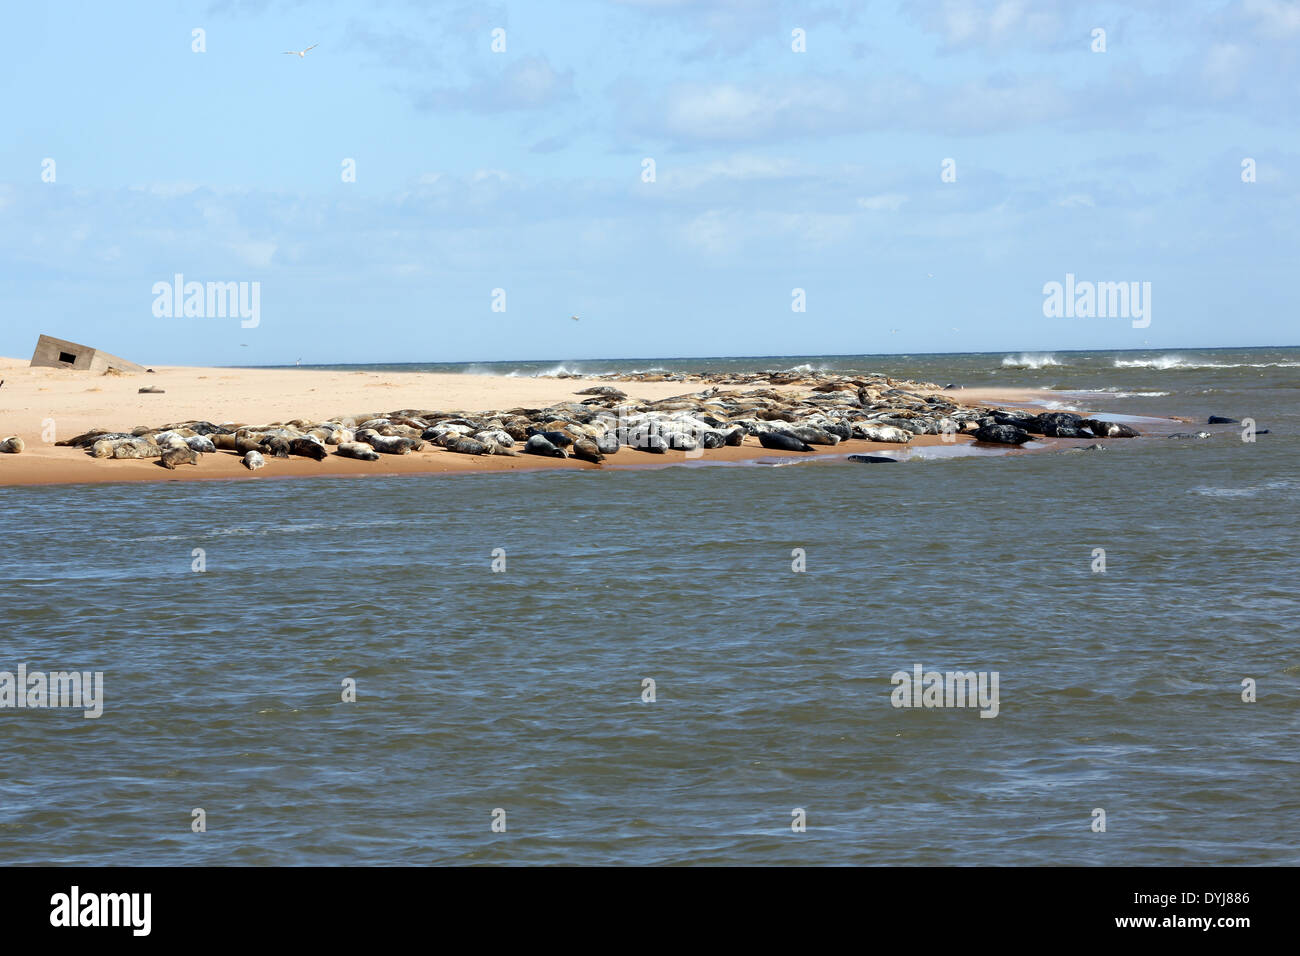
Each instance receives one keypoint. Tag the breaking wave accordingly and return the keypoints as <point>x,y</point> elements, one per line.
<point>1166,362</point>
<point>804,369</point>
<point>1114,391</point>
<point>1033,361</point>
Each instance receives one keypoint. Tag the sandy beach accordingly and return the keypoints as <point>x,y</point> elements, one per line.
<point>46,405</point>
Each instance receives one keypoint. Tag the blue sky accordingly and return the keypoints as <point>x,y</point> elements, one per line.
<point>522,170</point>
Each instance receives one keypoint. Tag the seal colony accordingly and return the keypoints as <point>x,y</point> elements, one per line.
<point>790,411</point>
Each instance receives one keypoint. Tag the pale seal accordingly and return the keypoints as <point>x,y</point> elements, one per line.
<point>358,450</point>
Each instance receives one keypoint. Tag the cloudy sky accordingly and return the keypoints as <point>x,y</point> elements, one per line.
<point>525,170</point>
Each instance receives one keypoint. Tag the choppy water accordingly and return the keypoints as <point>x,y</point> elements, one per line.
<point>522,690</point>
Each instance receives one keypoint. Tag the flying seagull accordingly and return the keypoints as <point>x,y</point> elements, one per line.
<point>574,317</point>
<point>301,52</point>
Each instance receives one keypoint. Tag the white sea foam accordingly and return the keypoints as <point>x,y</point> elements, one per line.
<point>552,372</point>
<point>1246,491</point>
<point>1114,391</point>
<point>806,368</point>
<point>1177,362</point>
<point>1031,360</point>
<point>266,529</point>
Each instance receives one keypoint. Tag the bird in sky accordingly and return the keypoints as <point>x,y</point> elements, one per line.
<point>929,275</point>
<point>574,317</point>
<point>301,52</point>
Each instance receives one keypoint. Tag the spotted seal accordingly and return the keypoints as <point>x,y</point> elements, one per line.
<point>883,433</point>
<point>13,445</point>
<point>201,444</point>
<point>126,448</point>
<point>388,444</point>
<point>253,460</point>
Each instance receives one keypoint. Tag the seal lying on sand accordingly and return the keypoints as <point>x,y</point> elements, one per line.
<point>558,439</point>
<point>278,446</point>
<point>359,450</point>
<point>584,449</point>
<point>1001,434</point>
<point>468,446</point>
<point>886,433</point>
<point>126,448</point>
<point>388,444</point>
<point>178,455</point>
<point>539,445</point>
<point>1110,429</point>
<point>307,448</point>
<point>13,445</point>
<point>783,442</point>
<point>201,443</point>
<point>253,460</point>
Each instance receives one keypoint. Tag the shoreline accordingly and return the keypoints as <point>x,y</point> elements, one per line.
<point>34,399</point>
<point>78,469</point>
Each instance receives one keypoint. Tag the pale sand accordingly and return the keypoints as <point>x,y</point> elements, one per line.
<point>79,401</point>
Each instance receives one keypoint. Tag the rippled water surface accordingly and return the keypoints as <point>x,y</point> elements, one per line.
<point>522,690</point>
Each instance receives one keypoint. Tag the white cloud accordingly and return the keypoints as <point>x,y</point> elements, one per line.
<point>1273,16</point>
<point>889,202</point>
<point>254,253</point>
<point>710,233</point>
<point>528,83</point>
<point>991,23</point>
